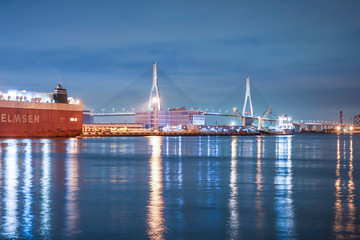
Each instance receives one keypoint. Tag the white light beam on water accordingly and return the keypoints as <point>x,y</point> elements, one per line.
<point>259,187</point>
<point>72,187</point>
<point>233,200</point>
<point>10,222</point>
<point>27,191</point>
<point>285,219</point>
<point>45,191</point>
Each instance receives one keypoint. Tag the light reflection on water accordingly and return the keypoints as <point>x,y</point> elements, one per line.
<point>345,220</point>
<point>259,187</point>
<point>180,187</point>
<point>233,200</point>
<point>27,191</point>
<point>10,219</point>
<point>179,173</point>
<point>155,215</point>
<point>71,205</point>
<point>285,219</point>
<point>338,195</point>
<point>45,226</point>
<point>351,224</point>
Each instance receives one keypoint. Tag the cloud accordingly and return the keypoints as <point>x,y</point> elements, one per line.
<point>205,47</point>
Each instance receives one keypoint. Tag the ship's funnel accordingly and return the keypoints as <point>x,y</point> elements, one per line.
<point>60,94</point>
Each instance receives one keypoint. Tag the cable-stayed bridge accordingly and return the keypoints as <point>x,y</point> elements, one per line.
<point>135,97</point>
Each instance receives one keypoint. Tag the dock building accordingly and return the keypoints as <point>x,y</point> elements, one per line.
<point>171,117</point>
<point>357,123</point>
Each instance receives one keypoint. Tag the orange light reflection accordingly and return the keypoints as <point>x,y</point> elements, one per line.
<point>155,216</point>
<point>351,224</point>
<point>338,218</point>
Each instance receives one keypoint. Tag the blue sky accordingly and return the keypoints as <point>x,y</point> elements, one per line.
<point>303,56</point>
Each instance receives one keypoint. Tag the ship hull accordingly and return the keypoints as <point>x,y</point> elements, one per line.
<point>30,119</point>
<point>273,132</point>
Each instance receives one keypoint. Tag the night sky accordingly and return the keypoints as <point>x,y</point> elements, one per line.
<point>302,56</point>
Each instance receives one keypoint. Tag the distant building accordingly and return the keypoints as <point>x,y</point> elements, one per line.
<point>177,116</point>
<point>357,121</point>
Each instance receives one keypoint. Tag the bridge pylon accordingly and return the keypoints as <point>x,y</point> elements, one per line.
<point>248,96</point>
<point>248,117</point>
<point>155,94</point>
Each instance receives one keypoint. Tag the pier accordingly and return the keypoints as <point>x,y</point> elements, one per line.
<point>119,129</point>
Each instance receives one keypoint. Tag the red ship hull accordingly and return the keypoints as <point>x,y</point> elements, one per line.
<point>35,119</point>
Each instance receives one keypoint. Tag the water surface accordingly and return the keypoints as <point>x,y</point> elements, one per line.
<point>252,187</point>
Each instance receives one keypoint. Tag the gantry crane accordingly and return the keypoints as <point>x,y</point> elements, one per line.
<point>240,117</point>
<point>261,119</point>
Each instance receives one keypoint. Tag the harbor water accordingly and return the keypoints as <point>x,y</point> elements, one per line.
<point>303,186</point>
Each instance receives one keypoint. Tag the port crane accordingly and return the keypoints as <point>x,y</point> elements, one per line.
<point>261,119</point>
<point>239,116</point>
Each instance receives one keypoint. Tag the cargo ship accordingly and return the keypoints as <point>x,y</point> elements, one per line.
<point>33,114</point>
<point>283,127</point>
